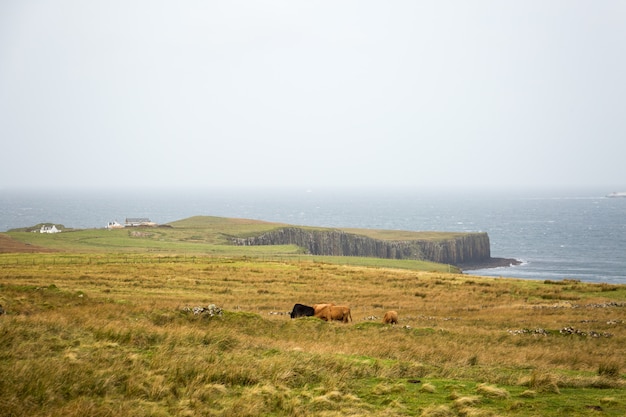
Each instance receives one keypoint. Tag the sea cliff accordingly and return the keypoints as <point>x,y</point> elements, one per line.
<point>462,249</point>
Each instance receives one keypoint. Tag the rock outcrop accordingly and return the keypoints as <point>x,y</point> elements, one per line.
<point>463,248</point>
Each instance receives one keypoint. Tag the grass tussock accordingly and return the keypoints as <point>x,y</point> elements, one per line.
<point>542,382</point>
<point>438,411</point>
<point>428,388</point>
<point>528,394</point>
<point>491,391</point>
<point>469,401</point>
<point>104,339</point>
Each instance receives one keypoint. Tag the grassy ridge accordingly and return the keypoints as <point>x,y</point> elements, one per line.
<point>207,235</point>
<point>162,240</point>
<point>112,337</point>
<point>201,230</point>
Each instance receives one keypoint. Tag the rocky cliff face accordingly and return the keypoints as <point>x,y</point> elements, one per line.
<point>466,249</point>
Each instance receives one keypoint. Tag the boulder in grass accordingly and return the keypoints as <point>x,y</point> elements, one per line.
<point>210,311</point>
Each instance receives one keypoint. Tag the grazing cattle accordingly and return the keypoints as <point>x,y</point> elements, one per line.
<point>322,311</point>
<point>333,312</point>
<point>300,310</point>
<point>341,313</point>
<point>391,317</point>
<point>320,307</point>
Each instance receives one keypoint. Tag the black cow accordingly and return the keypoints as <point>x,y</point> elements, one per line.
<point>300,310</point>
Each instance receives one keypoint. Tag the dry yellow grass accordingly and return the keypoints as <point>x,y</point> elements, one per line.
<point>113,339</point>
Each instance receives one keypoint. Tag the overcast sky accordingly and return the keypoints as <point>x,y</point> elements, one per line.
<point>312,93</point>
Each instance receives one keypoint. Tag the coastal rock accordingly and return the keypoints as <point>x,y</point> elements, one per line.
<point>465,249</point>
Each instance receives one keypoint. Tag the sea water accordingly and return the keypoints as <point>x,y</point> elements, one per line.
<point>557,234</point>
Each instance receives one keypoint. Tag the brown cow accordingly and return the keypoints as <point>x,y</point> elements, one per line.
<point>340,313</point>
<point>322,311</point>
<point>320,307</point>
<point>391,317</point>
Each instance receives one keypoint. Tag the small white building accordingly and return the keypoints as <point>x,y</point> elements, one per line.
<point>49,229</point>
<point>114,225</point>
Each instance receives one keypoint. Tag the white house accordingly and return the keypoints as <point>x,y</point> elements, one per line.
<point>49,229</point>
<point>114,225</point>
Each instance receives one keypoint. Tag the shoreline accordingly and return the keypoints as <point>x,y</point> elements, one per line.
<point>490,263</point>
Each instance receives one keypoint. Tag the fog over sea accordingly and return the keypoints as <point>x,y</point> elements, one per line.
<point>557,234</point>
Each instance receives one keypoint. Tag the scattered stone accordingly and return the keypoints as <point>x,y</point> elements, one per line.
<point>542,307</point>
<point>605,305</point>
<point>211,310</point>
<point>537,331</point>
<point>140,234</point>
<point>609,304</point>
<point>569,330</point>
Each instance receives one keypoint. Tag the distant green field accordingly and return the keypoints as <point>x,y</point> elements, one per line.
<point>144,240</point>
<point>211,236</point>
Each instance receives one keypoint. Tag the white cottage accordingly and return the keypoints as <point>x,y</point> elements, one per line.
<point>115,225</point>
<point>49,229</point>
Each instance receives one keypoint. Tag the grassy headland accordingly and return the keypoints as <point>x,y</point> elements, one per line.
<point>104,327</point>
<point>207,235</point>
